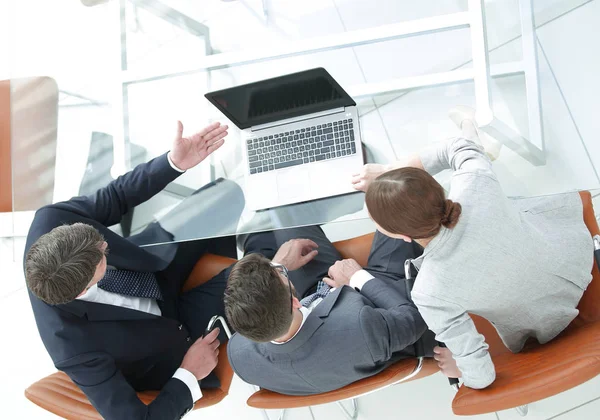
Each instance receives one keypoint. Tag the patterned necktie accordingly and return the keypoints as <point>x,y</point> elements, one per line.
<point>322,291</point>
<point>131,283</point>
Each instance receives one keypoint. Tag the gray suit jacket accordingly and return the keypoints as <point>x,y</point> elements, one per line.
<point>350,335</point>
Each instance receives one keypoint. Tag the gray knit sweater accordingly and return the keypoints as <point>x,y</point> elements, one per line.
<point>521,264</point>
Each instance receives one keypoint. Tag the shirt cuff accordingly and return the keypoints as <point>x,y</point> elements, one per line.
<point>190,380</point>
<point>359,279</point>
<point>172,164</point>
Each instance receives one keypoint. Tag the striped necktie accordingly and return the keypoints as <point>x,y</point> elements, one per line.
<point>322,291</point>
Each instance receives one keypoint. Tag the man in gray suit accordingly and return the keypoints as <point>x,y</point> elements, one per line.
<point>298,335</point>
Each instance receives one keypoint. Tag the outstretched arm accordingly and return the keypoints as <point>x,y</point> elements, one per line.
<point>456,154</point>
<point>110,203</point>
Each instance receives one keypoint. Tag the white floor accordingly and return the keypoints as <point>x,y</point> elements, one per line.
<point>569,65</point>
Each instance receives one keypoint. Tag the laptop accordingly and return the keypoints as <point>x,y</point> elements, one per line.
<point>301,139</point>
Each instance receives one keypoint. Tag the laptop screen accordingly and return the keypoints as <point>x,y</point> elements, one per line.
<point>288,96</point>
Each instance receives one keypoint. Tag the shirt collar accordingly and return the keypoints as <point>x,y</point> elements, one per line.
<point>305,312</point>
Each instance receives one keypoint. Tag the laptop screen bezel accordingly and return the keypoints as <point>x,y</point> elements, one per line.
<point>344,101</point>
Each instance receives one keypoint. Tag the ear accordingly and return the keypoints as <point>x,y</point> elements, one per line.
<point>296,303</point>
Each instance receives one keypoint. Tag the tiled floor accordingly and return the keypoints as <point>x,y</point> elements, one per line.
<point>399,124</point>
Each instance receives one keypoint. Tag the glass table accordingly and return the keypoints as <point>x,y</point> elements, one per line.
<point>138,66</point>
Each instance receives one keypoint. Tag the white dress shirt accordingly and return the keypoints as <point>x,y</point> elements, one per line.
<point>172,164</point>
<point>98,295</point>
<point>359,279</point>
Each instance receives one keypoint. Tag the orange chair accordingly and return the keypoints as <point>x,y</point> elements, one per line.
<point>28,129</point>
<point>5,149</point>
<point>59,395</point>
<point>402,371</point>
<point>541,371</point>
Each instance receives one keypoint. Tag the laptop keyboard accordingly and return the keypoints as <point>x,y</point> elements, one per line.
<point>299,147</point>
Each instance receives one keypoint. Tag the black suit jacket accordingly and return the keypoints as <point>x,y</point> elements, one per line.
<point>108,351</point>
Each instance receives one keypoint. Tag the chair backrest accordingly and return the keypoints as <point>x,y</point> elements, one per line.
<point>5,152</point>
<point>208,266</point>
<point>33,114</point>
<point>267,400</point>
<point>589,305</point>
<point>356,248</point>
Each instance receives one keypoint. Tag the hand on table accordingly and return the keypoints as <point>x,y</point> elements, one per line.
<point>188,152</point>
<point>202,356</point>
<point>367,174</point>
<point>296,253</point>
<point>446,362</point>
<point>341,272</point>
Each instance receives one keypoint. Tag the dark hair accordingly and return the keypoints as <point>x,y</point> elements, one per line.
<point>409,201</point>
<point>257,302</point>
<point>61,263</point>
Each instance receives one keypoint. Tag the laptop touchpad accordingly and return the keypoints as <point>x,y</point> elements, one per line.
<point>293,183</point>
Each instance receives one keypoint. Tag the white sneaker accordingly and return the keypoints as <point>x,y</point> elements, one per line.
<point>464,118</point>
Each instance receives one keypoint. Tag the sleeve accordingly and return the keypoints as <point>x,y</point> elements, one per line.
<point>173,165</point>
<point>359,279</point>
<point>109,204</point>
<point>458,154</point>
<point>393,325</point>
<point>190,381</point>
<point>454,327</point>
<point>114,398</point>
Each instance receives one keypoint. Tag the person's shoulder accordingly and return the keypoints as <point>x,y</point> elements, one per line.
<point>433,277</point>
<point>44,220</point>
<point>53,215</point>
<point>241,347</point>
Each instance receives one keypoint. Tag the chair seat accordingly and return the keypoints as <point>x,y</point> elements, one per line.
<point>536,373</point>
<point>265,399</point>
<point>58,394</point>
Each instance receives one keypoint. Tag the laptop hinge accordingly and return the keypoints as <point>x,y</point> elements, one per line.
<point>297,119</point>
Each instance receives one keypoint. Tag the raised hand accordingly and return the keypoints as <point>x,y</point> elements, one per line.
<point>187,152</point>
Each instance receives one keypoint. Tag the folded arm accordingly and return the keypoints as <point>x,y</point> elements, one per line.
<point>394,324</point>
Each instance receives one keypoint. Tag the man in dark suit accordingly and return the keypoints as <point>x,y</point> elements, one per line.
<point>108,311</point>
<point>352,325</point>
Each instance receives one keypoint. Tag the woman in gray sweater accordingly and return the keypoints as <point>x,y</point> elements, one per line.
<point>521,264</point>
